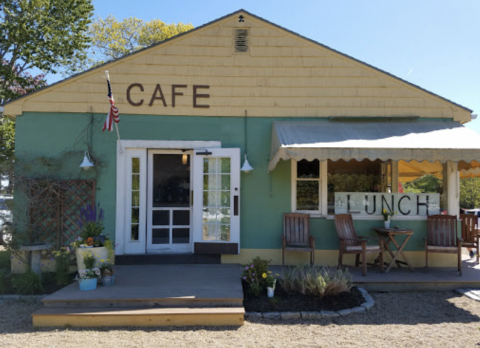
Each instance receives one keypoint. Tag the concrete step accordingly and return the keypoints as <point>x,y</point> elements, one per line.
<point>172,259</point>
<point>137,317</point>
<point>187,301</point>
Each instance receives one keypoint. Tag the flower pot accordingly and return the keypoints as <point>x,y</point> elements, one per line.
<point>270,291</point>
<point>100,253</point>
<point>87,284</point>
<point>386,224</point>
<point>107,280</point>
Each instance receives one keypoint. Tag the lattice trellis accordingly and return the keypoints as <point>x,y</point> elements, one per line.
<point>56,209</point>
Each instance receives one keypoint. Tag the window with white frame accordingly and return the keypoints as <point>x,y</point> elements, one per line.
<point>306,186</point>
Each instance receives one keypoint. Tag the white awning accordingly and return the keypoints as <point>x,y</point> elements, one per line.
<point>397,140</point>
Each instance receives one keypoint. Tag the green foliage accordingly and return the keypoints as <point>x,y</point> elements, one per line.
<point>42,34</point>
<point>252,274</point>
<point>425,184</point>
<point>318,281</point>
<point>27,283</point>
<point>4,281</point>
<point>7,150</point>
<point>5,260</point>
<point>89,261</point>
<point>112,39</point>
<point>470,193</point>
<point>62,266</point>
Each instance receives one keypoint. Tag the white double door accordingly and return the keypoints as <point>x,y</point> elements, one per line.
<point>175,198</point>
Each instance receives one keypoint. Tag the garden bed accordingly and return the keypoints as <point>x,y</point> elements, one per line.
<point>284,302</point>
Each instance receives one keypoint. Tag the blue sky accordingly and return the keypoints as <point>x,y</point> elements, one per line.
<point>432,43</point>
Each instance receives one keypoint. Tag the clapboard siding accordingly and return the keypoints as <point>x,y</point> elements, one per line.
<point>282,75</point>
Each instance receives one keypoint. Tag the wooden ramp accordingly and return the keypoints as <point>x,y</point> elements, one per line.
<point>151,295</point>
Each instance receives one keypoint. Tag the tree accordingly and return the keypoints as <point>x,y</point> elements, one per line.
<point>424,184</point>
<point>112,39</point>
<point>470,193</point>
<point>41,34</point>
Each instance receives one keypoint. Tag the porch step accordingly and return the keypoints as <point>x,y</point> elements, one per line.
<point>146,303</point>
<point>135,317</point>
<point>174,259</point>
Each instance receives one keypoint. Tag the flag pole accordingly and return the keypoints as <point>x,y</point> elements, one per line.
<point>116,125</point>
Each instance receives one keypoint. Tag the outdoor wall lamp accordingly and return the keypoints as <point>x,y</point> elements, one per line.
<point>246,167</point>
<point>87,162</point>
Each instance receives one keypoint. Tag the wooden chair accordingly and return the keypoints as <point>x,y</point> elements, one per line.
<point>296,235</point>
<point>351,243</point>
<point>470,231</point>
<point>442,237</point>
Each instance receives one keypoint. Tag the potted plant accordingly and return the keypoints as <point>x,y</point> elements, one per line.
<point>106,271</point>
<point>387,216</point>
<point>88,277</point>
<point>92,240</point>
<point>270,282</point>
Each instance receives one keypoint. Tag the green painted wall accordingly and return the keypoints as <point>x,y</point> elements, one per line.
<point>265,197</point>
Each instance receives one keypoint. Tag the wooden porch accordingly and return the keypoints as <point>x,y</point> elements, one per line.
<point>182,295</point>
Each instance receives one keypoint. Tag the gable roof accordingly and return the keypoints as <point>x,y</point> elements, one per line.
<point>193,31</point>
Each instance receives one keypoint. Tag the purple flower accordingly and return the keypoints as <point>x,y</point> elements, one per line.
<point>251,266</point>
<point>246,268</point>
<point>244,278</point>
<point>52,259</point>
<point>253,280</point>
<point>253,274</point>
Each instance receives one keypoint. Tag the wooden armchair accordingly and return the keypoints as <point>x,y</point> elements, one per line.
<point>351,243</point>
<point>296,235</point>
<point>442,237</point>
<point>470,231</point>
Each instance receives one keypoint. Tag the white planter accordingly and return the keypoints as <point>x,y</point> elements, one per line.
<point>100,253</point>
<point>270,291</point>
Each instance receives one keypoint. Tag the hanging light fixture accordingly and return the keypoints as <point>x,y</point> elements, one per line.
<point>246,167</point>
<point>184,159</point>
<point>87,162</point>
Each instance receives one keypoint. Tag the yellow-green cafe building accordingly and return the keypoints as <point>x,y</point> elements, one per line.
<point>324,132</point>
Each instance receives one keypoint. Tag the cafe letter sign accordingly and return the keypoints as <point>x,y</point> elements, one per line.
<point>372,204</point>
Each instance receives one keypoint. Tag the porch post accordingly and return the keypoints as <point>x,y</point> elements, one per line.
<point>451,188</point>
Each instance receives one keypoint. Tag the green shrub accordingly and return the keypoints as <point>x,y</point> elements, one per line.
<point>4,281</point>
<point>27,283</point>
<point>62,266</point>
<point>5,260</point>
<point>318,281</point>
<point>252,274</point>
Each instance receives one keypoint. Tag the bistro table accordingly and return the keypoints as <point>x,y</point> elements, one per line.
<point>388,235</point>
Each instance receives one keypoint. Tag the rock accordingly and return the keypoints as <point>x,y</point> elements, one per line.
<point>329,314</point>
<point>311,315</point>
<point>290,315</point>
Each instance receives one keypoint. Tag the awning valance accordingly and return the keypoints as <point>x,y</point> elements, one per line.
<point>397,140</point>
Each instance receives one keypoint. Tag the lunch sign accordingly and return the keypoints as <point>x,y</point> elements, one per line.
<point>372,204</point>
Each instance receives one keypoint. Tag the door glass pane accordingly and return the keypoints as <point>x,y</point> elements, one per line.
<point>181,217</point>
<point>171,181</point>
<point>161,217</point>
<point>160,235</point>
<point>180,235</point>
<point>134,232</point>
<point>135,215</point>
<point>216,199</point>
<point>135,194</point>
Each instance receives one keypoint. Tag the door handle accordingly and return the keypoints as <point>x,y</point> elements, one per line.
<point>235,205</point>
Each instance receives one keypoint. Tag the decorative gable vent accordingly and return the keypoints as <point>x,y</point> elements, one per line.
<point>240,38</point>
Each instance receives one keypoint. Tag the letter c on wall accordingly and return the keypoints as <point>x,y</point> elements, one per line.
<point>128,94</point>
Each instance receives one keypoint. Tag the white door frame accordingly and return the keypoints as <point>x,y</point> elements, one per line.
<point>122,210</point>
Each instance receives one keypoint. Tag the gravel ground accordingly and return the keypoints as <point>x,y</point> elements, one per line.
<point>430,319</point>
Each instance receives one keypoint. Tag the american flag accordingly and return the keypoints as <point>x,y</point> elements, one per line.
<point>113,112</point>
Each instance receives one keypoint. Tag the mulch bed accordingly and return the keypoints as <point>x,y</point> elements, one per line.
<point>283,302</point>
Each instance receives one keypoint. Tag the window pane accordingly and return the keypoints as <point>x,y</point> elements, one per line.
<point>306,169</point>
<point>210,215</point>
<point>160,235</point>
<point>225,233</point>
<point>211,199</point>
<point>181,236</point>
<point>134,232</point>
<point>135,198</point>
<point>135,165</point>
<point>171,181</point>
<point>135,182</point>
<point>353,176</point>
<point>135,215</point>
<point>225,165</point>
<point>307,195</point>
<point>210,232</point>
<point>181,217</point>
<point>161,217</point>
